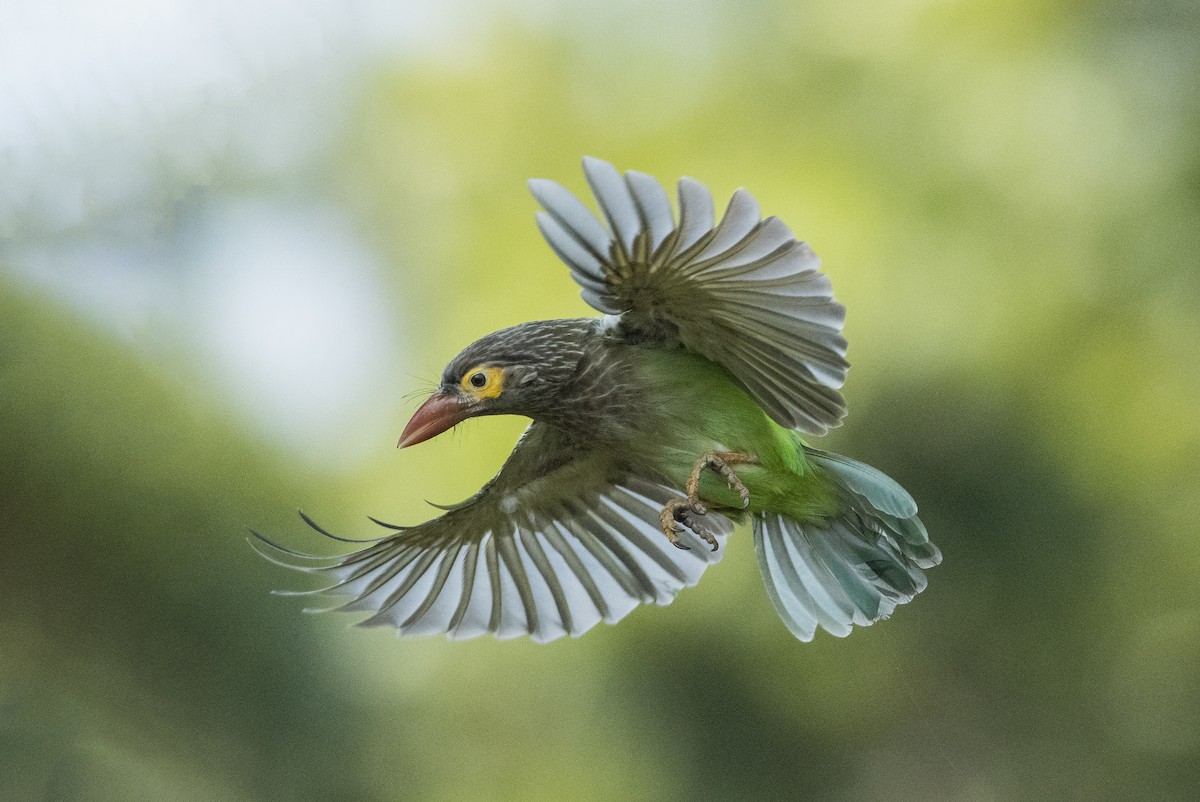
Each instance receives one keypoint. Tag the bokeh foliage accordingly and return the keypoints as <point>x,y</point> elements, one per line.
<point>1005,195</point>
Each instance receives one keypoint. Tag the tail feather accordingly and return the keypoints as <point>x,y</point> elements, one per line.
<point>802,600</point>
<point>854,567</point>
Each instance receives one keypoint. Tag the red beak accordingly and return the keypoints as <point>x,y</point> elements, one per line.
<point>440,412</point>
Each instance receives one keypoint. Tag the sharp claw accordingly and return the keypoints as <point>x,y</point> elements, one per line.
<point>679,544</point>
<point>709,539</point>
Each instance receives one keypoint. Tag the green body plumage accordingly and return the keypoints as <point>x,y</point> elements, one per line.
<point>698,407</point>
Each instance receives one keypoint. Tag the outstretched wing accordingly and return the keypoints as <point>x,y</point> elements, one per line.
<point>744,292</point>
<point>559,540</point>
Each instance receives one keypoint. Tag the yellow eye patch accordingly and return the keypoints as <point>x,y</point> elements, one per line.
<point>483,382</point>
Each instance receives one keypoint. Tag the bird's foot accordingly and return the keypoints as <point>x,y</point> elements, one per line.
<point>675,513</point>
<point>722,463</point>
<point>672,519</point>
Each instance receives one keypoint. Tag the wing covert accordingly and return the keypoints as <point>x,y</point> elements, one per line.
<point>558,541</point>
<point>742,292</point>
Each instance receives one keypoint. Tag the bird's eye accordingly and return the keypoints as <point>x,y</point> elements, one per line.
<point>483,382</point>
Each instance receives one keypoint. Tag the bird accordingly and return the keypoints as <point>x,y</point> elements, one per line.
<point>656,427</point>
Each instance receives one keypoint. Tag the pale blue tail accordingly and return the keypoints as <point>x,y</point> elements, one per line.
<point>854,567</point>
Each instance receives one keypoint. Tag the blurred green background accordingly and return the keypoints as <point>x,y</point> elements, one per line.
<point>234,236</point>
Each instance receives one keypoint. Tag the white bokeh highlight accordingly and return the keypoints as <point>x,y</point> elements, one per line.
<point>290,316</point>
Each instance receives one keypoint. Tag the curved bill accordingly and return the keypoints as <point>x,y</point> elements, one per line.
<point>440,412</point>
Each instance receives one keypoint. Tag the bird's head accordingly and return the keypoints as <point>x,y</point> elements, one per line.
<point>514,371</point>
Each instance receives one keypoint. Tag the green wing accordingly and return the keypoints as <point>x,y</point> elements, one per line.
<point>559,540</point>
<point>743,292</point>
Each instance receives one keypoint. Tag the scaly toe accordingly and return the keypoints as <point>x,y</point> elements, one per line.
<point>737,485</point>
<point>706,536</point>
<point>669,519</point>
